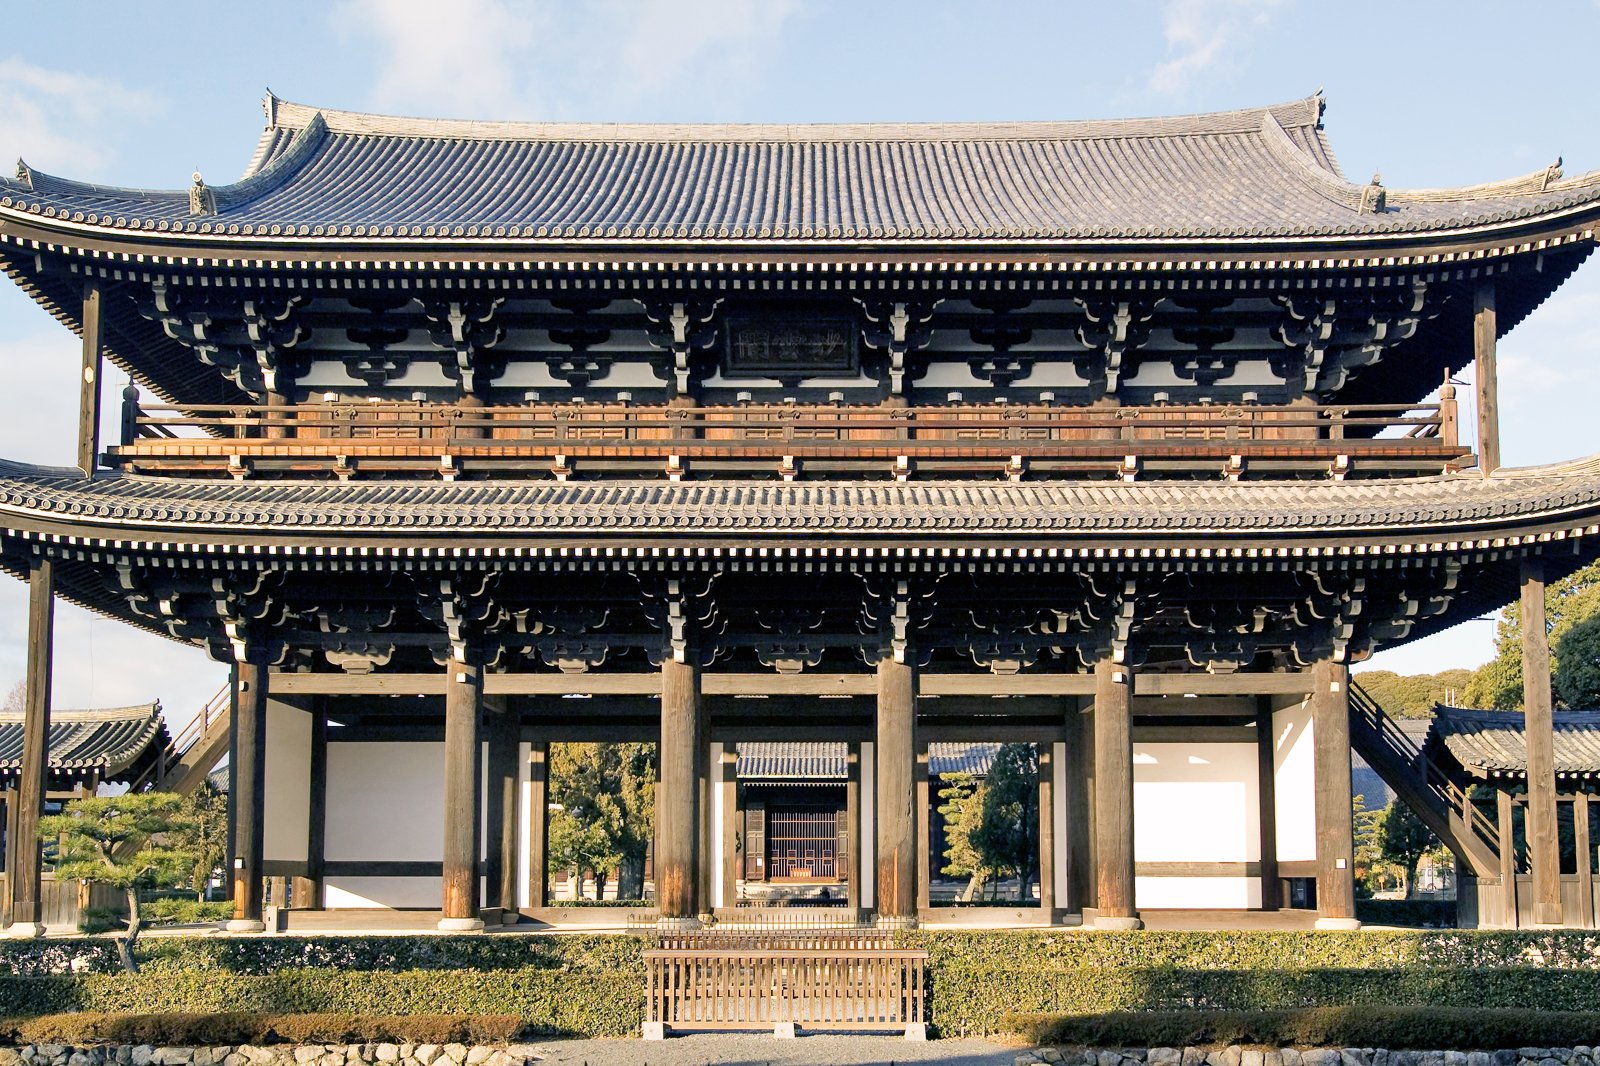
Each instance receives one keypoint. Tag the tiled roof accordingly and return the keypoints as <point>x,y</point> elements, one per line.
<point>605,510</point>
<point>334,175</point>
<point>829,761</point>
<point>1492,743</point>
<point>102,743</point>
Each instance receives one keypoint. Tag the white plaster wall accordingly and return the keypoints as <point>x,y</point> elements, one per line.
<point>1058,816</point>
<point>1295,781</point>
<point>524,822</point>
<point>386,803</point>
<point>288,808</point>
<point>714,823</point>
<point>1196,803</point>
<point>366,893</point>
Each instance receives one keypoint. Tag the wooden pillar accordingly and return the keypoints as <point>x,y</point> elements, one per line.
<point>233,772</point>
<point>1078,773</point>
<point>1544,844</point>
<point>1330,729</point>
<point>728,790</point>
<point>1047,832</point>
<point>310,893</point>
<point>538,825</point>
<point>1113,768</point>
<point>89,381</point>
<point>677,858</point>
<point>1580,842</point>
<point>1267,786</point>
<point>852,815</point>
<point>704,831</point>
<point>500,864</point>
<point>1509,918</point>
<point>1484,329</point>
<point>895,759</point>
<point>249,802</point>
<point>463,710</point>
<point>27,917</point>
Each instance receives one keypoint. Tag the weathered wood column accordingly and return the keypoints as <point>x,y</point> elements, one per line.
<point>895,760</point>
<point>677,864</point>
<point>463,711</point>
<point>249,802</point>
<point>1267,799</point>
<point>308,890</point>
<point>1113,773</point>
<point>538,825</point>
<point>1544,846</point>
<point>1078,773</point>
<point>1330,730</point>
<point>728,799</point>
<point>852,817</point>
<point>1485,374</point>
<point>89,381</point>
<point>500,865</point>
<point>1506,823</point>
<point>27,919</point>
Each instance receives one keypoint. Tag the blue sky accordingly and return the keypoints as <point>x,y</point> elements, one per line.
<point>1426,93</point>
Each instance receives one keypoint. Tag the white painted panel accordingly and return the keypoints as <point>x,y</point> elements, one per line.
<point>1294,767</point>
<point>288,784</point>
<point>714,827</point>
<point>1195,803</point>
<point>382,892</point>
<point>1203,893</point>
<point>386,802</point>
<point>867,863</point>
<point>524,821</point>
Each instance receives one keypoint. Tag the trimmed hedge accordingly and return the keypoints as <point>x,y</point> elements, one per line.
<point>1426,1028</point>
<point>1413,913</point>
<point>232,1030</point>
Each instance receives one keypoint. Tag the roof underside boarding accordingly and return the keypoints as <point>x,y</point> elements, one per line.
<point>1261,173</point>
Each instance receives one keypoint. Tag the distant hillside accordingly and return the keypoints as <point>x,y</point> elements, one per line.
<point>1413,696</point>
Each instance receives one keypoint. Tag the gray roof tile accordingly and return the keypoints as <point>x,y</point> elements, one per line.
<point>102,742</point>
<point>1250,173</point>
<point>1493,743</point>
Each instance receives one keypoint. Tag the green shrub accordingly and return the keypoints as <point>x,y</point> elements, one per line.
<point>1427,1027</point>
<point>178,910</point>
<point>99,919</point>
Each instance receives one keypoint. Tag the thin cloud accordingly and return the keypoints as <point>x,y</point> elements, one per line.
<point>545,59</point>
<point>1200,34</point>
<point>61,121</point>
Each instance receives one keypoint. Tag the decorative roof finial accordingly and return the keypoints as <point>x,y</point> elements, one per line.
<point>269,105</point>
<point>1373,197</point>
<point>201,199</point>
<point>24,174</point>
<point>1552,174</point>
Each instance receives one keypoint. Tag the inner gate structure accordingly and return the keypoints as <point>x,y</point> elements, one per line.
<point>1123,439</point>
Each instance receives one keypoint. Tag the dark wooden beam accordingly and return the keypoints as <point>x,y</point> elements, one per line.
<point>1509,917</point>
<point>89,380</point>
<point>852,815</point>
<point>463,710</point>
<point>895,792</point>
<point>1330,731</point>
<point>317,823</point>
<point>501,814</point>
<point>1485,375</point>
<point>249,801</point>
<point>1113,768</point>
<point>1241,684</point>
<point>1077,779</point>
<point>25,859</point>
<point>1544,847</point>
<point>1267,789</point>
<point>677,818</point>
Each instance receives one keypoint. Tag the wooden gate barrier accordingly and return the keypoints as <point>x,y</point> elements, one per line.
<point>837,981</point>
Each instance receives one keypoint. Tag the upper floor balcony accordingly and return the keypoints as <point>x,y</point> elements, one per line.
<point>344,438</point>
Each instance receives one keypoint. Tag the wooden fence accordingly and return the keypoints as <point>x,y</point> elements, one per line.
<point>876,989</point>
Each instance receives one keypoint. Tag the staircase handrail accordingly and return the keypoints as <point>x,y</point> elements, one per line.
<point>1452,796</point>
<point>213,710</point>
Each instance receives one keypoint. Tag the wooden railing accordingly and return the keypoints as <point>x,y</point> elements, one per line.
<point>875,989</point>
<point>344,437</point>
<point>1445,806</point>
<point>214,711</point>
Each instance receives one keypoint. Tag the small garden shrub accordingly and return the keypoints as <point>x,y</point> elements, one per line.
<point>1424,1027</point>
<point>233,1029</point>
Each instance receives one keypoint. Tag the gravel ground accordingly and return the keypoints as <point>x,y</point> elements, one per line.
<point>765,1050</point>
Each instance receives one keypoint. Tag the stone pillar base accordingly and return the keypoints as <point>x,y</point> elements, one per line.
<point>460,925</point>
<point>917,1032</point>
<point>1344,924</point>
<point>653,1031</point>
<point>24,930</point>
<point>1112,921</point>
<point>678,925</point>
<point>784,1030</point>
<point>896,921</point>
<point>245,925</point>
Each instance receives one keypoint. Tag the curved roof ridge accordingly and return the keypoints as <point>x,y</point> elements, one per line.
<point>286,115</point>
<point>1489,715</point>
<point>1301,164</point>
<point>132,712</point>
<point>1545,179</point>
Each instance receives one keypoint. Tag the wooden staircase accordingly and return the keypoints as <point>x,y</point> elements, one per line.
<point>1443,805</point>
<point>189,757</point>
